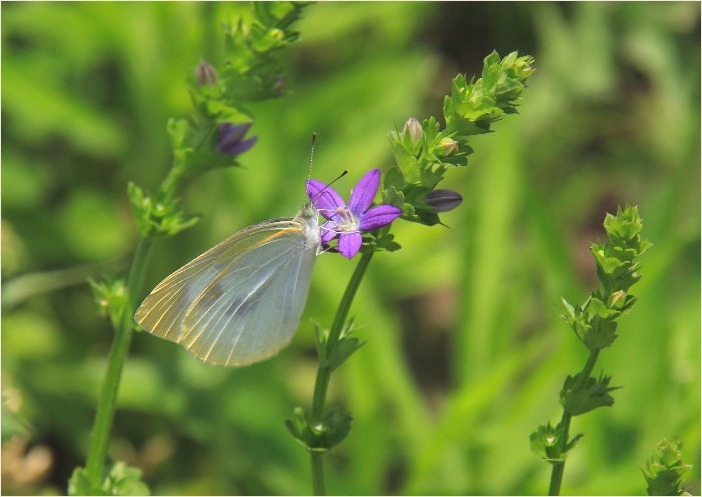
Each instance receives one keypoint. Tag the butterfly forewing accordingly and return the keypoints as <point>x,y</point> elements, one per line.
<point>240,301</point>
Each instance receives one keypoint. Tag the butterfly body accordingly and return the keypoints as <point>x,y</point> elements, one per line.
<point>241,301</point>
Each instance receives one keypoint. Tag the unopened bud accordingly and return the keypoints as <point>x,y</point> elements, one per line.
<point>443,200</point>
<point>277,34</point>
<point>447,146</point>
<point>618,298</point>
<point>413,129</point>
<point>230,139</point>
<point>523,67</point>
<point>205,74</point>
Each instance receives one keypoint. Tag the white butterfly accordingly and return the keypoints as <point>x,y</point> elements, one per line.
<point>241,301</point>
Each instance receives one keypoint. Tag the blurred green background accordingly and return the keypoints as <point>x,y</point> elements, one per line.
<point>465,350</point>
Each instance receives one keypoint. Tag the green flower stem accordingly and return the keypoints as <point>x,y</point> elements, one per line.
<point>108,394</point>
<point>558,468</point>
<point>324,371</point>
<point>317,464</point>
<point>171,183</point>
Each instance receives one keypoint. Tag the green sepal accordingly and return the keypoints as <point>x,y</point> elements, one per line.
<point>111,298</point>
<point>593,393</point>
<point>600,334</point>
<point>319,435</point>
<point>546,443</point>
<point>120,480</point>
<point>594,323</point>
<point>79,484</point>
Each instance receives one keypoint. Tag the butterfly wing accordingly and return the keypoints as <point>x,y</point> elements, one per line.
<point>241,301</point>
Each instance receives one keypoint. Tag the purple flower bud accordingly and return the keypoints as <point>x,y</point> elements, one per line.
<point>447,146</point>
<point>205,74</point>
<point>230,139</point>
<point>443,200</point>
<point>413,129</point>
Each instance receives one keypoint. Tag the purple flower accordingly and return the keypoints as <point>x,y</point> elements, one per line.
<point>348,221</point>
<point>230,139</point>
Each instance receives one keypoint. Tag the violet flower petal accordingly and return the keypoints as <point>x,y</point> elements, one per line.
<point>237,148</point>
<point>379,216</point>
<point>230,133</point>
<point>363,193</point>
<point>325,198</point>
<point>230,136</point>
<point>328,231</point>
<point>349,244</point>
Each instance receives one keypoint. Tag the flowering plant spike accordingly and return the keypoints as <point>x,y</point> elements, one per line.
<point>595,323</point>
<point>213,137</point>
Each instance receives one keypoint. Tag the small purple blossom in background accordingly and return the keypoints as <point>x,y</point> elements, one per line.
<point>230,139</point>
<point>348,221</point>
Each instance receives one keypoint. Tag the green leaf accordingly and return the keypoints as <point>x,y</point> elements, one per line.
<point>343,349</point>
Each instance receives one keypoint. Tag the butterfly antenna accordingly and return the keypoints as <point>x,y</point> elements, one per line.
<point>314,140</point>
<point>309,175</point>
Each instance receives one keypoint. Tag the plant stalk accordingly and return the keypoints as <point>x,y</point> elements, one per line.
<point>558,468</point>
<point>104,415</point>
<point>317,465</point>
<point>321,384</point>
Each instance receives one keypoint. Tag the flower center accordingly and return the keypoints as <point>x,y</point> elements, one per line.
<point>346,222</point>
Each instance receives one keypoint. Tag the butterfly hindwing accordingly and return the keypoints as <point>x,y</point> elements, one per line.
<point>253,309</point>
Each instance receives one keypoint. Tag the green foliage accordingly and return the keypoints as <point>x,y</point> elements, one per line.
<point>472,107</point>
<point>198,146</point>
<point>319,435</point>
<point>578,399</point>
<point>334,354</point>
<point>120,480</point>
<point>550,443</point>
<point>462,356</point>
<point>250,72</point>
<point>666,470</point>
<point>594,322</point>
<point>111,298</point>
<point>423,152</point>
<point>154,218</point>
